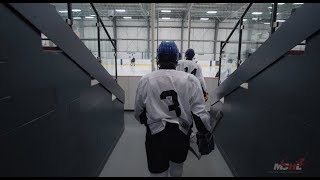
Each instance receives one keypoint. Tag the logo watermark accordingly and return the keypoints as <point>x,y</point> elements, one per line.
<point>286,167</point>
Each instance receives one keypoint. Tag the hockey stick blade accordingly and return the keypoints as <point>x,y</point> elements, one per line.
<point>198,155</point>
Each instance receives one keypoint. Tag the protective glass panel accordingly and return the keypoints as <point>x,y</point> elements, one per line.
<point>62,9</point>
<point>229,56</point>
<point>108,56</point>
<point>284,11</point>
<point>256,28</point>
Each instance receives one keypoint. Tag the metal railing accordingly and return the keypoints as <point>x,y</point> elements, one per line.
<point>99,39</point>
<point>239,24</point>
<point>113,41</point>
<point>240,21</point>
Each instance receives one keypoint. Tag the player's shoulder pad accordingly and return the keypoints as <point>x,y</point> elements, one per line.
<point>181,61</point>
<point>198,65</point>
<point>182,75</point>
<point>146,76</point>
<point>193,78</point>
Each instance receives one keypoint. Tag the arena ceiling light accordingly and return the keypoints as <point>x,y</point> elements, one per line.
<point>281,3</point>
<point>281,20</point>
<point>76,17</point>
<point>270,7</point>
<point>254,19</point>
<point>165,18</point>
<point>245,20</point>
<point>63,11</point>
<point>297,3</point>
<point>120,10</point>
<point>211,12</point>
<point>76,10</point>
<point>89,17</point>
<point>204,19</point>
<point>166,11</point>
<point>266,23</point>
<point>256,13</point>
<point>93,15</point>
<point>126,17</point>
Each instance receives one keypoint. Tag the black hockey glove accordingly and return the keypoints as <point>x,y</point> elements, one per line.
<point>143,117</point>
<point>205,143</point>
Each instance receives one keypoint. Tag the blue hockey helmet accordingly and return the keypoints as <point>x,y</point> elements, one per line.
<point>167,52</point>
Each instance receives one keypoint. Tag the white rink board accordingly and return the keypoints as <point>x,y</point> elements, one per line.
<point>143,66</point>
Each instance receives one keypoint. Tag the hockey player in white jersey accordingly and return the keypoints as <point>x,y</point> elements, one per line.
<point>167,101</point>
<point>192,67</point>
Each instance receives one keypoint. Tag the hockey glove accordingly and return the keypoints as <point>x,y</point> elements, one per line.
<point>205,143</point>
<point>206,97</point>
<point>143,117</point>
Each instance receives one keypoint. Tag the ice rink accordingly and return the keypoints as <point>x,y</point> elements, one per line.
<point>143,66</point>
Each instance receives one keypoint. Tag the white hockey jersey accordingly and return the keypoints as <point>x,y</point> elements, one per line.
<point>193,68</point>
<point>169,95</point>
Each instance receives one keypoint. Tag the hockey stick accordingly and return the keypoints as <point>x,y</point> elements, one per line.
<point>197,154</point>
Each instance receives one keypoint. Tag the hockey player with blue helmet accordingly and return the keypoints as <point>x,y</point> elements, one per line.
<point>167,55</point>
<point>167,101</point>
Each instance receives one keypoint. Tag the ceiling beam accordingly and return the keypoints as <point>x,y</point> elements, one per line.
<point>233,12</point>
<point>144,11</point>
<point>188,11</point>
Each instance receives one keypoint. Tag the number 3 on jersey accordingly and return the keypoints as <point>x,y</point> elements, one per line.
<point>175,106</point>
<point>192,72</point>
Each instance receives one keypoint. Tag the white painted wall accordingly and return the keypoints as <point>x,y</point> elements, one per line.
<point>134,39</point>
